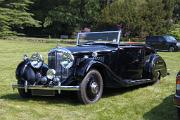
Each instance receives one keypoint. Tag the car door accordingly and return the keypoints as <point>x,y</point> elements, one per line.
<point>130,62</point>
<point>161,43</point>
<point>153,41</point>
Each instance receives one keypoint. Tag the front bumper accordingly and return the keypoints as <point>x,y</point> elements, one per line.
<point>177,101</point>
<point>42,87</point>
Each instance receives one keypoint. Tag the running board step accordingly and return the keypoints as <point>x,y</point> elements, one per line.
<point>136,82</point>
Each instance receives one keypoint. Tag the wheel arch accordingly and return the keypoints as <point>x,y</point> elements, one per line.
<point>156,63</point>
<point>100,67</point>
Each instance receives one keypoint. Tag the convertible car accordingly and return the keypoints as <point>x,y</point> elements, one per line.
<point>98,60</point>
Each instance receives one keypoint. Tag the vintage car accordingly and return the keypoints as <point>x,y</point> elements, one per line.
<point>98,60</point>
<point>177,95</point>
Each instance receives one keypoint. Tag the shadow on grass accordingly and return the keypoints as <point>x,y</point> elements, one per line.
<point>65,98</point>
<point>70,98</point>
<point>164,111</point>
<point>108,92</point>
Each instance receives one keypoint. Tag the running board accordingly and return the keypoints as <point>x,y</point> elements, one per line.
<point>129,82</point>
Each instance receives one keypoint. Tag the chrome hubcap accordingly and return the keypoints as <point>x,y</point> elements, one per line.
<point>171,49</point>
<point>94,87</point>
<point>158,74</point>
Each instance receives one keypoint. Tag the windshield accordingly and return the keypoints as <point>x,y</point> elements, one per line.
<point>170,39</point>
<point>98,37</point>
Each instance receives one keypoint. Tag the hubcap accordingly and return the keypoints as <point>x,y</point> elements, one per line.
<point>94,87</point>
<point>171,49</point>
<point>158,74</point>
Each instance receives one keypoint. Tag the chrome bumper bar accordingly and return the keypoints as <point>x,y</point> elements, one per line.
<point>40,87</point>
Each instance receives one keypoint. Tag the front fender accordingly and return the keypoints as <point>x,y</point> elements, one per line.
<point>109,77</point>
<point>25,72</point>
<point>85,66</point>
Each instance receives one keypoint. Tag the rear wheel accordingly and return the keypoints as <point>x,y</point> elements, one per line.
<point>91,87</point>
<point>156,77</point>
<point>22,92</point>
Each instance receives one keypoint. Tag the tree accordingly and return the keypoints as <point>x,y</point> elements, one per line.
<point>175,31</point>
<point>176,12</point>
<point>126,13</point>
<point>14,16</point>
<point>139,17</point>
<point>72,15</point>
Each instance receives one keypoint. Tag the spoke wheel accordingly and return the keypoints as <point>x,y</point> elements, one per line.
<point>91,87</point>
<point>157,77</point>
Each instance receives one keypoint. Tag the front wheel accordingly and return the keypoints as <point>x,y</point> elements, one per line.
<point>22,92</point>
<point>171,49</point>
<point>91,87</point>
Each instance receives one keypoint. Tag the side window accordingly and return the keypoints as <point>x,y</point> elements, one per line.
<point>155,39</point>
<point>133,54</point>
<point>161,39</point>
<point>150,39</point>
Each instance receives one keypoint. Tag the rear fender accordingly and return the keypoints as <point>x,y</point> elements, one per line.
<point>156,63</point>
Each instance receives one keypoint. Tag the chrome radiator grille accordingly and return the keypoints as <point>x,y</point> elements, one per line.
<point>51,60</point>
<point>54,63</point>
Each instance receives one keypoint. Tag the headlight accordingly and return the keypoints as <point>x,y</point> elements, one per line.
<point>36,60</point>
<point>67,59</point>
<point>51,74</point>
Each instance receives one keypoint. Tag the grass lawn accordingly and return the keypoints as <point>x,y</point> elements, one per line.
<point>150,102</point>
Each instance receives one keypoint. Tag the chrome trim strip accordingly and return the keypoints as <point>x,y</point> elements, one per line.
<point>177,86</point>
<point>118,38</point>
<point>100,32</point>
<point>177,106</point>
<point>25,86</point>
<point>77,39</point>
<point>41,87</point>
<point>177,96</point>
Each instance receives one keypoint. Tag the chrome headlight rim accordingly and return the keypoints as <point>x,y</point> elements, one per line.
<point>67,58</point>
<point>51,73</point>
<point>36,60</point>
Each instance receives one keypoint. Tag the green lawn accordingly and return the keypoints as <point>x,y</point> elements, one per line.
<point>151,102</point>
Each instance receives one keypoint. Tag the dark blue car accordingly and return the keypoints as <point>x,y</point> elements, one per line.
<point>165,42</point>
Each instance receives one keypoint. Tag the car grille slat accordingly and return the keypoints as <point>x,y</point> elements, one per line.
<point>54,63</point>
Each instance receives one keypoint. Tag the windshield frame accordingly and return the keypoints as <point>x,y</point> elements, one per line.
<point>117,41</point>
